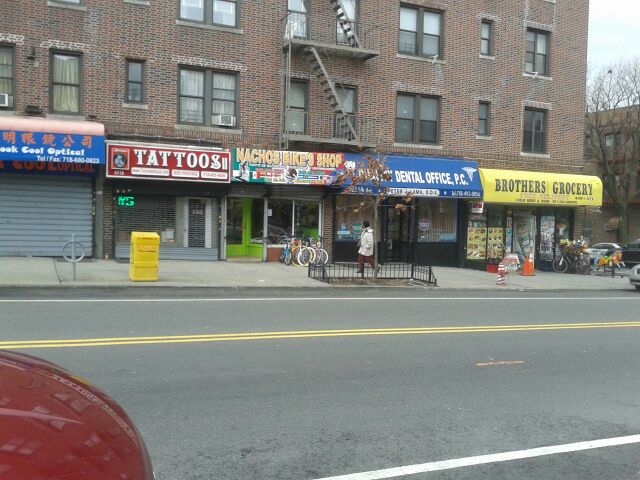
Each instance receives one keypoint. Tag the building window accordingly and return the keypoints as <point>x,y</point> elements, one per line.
<point>215,12</point>
<point>297,105</point>
<point>66,83</point>
<point>135,81</point>
<point>292,218</point>
<point>486,30</point>
<point>441,215</point>
<point>297,22</point>
<point>535,126</point>
<point>208,97</point>
<point>417,119</point>
<point>347,98</point>
<point>536,59</point>
<point>484,119</point>
<point>420,32</point>
<point>7,77</point>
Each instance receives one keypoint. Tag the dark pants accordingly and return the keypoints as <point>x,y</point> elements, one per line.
<point>362,259</point>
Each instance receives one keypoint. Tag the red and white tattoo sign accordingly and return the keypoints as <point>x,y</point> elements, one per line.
<point>168,162</point>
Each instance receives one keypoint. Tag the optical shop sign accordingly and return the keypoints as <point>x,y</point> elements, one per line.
<point>284,167</point>
<point>168,162</point>
<point>537,188</point>
<point>51,147</point>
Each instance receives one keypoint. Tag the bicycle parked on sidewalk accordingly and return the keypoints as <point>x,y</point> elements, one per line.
<point>303,251</point>
<point>573,259</point>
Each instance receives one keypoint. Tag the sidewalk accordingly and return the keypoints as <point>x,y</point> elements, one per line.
<point>48,272</point>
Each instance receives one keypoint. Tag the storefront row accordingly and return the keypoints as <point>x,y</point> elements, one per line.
<point>527,213</point>
<point>213,204</point>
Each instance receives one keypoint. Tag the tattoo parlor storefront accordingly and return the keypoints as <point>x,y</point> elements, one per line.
<point>428,230</point>
<point>527,213</point>
<point>173,190</point>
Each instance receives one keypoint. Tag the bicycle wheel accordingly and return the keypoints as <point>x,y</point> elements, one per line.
<point>306,255</point>
<point>322,257</point>
<point>583,266</point>
<point>560,264</point>
<point>294,255</point>
<point>287,256</point>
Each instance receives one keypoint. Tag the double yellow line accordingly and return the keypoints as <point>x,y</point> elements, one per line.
<point>238,337</point>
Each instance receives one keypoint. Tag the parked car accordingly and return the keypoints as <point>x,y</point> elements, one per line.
<point>634,277</point>
<point>56,425</point>
<point>631,253</point>
<point>601,249</point>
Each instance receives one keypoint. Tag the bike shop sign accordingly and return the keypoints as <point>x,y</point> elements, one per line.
<point>285,167</point>
<point>168,162</point>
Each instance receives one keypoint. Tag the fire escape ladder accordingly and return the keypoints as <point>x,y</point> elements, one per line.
<point>343,123</point>
<point>345,24</point>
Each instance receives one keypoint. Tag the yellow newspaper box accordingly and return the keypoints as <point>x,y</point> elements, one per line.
<point>145,255</point>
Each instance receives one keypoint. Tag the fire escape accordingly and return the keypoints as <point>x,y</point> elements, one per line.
<point>332,37</point>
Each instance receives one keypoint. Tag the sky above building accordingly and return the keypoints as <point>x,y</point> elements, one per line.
<point>614,31</point>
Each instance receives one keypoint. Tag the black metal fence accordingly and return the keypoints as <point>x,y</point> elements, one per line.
<point>388,271</point>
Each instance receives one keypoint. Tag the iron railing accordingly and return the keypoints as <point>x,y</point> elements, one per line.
<point>388,271</point>
<point>328,30</point>
<point>331,127</point>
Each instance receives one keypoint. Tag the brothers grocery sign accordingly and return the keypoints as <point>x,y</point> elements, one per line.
<point>168,162</point>
<point>284,167</point>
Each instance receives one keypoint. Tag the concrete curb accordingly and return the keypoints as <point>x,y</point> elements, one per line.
<point>136,285</point>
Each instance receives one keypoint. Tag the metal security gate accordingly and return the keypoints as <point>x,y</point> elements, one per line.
<point>189,227</point>
<point>39,213</point>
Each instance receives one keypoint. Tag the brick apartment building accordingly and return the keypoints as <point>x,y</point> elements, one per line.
<point>436,85</point>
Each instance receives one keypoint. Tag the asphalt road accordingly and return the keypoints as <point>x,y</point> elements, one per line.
<point>334,402</point>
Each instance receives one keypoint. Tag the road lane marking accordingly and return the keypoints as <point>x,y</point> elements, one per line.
<point>307,299</point>
<point>500,363</point>
<point>484,459</point>
<point>229,337</point>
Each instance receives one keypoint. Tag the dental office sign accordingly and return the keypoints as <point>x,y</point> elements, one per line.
<point>168,162</point>
<point>43,147</point>
<point>426,177</point>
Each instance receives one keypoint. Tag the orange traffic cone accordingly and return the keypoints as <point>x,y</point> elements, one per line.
<point>527,268</point>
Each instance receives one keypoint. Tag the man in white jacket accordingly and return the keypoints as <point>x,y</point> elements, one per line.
<point>365,252</point>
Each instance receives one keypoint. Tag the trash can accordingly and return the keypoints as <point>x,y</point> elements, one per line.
<point>145,255</point>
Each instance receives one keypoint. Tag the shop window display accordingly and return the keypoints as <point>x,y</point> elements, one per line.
<point>348,222</point>
<point>436,220</point>
<point>289,218</point>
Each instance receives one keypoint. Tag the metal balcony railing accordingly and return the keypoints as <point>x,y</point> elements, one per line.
<point>328,31</point>
<point>329,128</point>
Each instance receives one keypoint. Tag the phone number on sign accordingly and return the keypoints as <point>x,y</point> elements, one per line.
<point>466,194</point>
<point>93,161</point>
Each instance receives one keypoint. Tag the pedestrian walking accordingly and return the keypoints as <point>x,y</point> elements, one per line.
<point>365,250</point>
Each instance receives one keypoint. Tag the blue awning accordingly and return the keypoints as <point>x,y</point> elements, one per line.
<point>423,177</point>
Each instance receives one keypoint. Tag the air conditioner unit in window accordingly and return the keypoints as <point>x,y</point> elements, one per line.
<point>224,120</point>
<point>4,99</point>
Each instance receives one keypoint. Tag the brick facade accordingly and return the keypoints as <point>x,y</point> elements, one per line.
<point>109,32</point>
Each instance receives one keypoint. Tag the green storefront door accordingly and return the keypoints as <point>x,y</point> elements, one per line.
<point>244,222</point>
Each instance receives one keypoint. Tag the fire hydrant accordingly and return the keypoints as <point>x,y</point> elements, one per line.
<point>502,275</point>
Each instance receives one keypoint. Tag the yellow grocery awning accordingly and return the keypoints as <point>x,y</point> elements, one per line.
<point>515,187</point>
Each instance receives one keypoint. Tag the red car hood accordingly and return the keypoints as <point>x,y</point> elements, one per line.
<point>54,425</point>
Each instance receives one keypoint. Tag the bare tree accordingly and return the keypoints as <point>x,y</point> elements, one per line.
<point>613,133</point>
<point>367,180</point>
